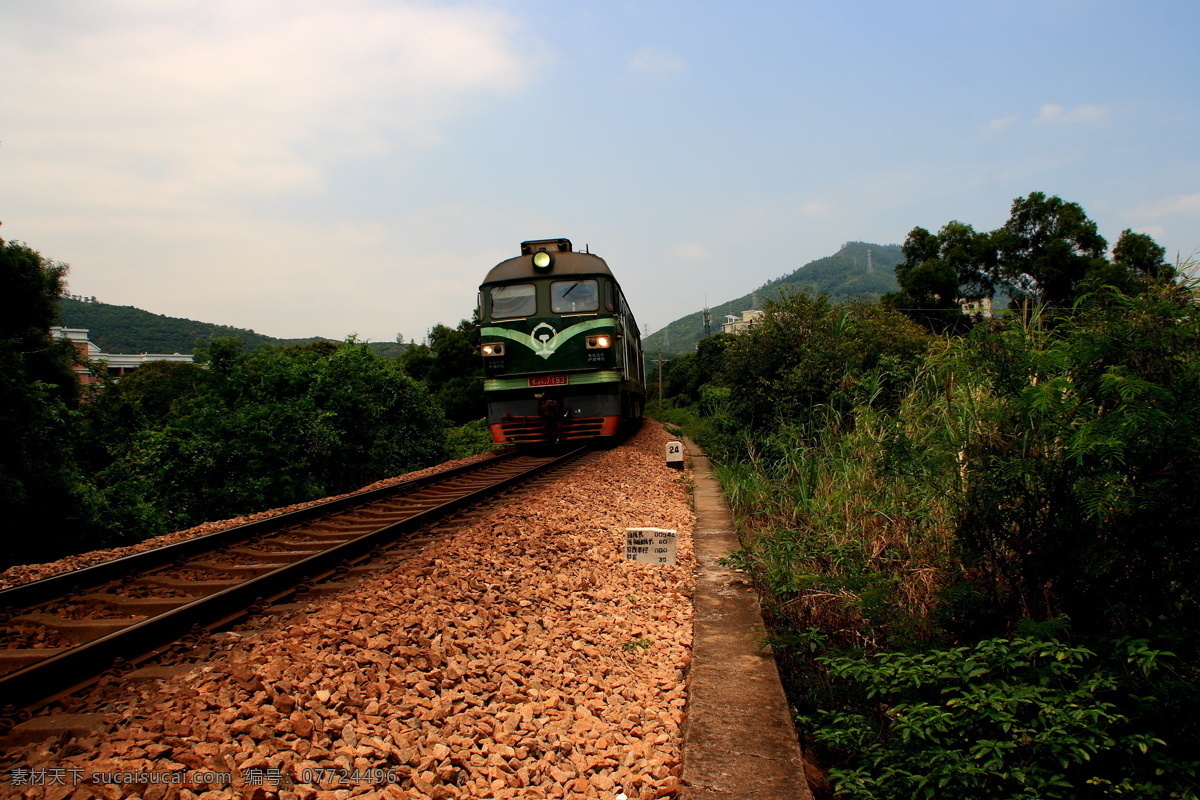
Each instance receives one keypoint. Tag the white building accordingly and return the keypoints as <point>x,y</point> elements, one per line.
<point>118,364</point>
<point>735,324</point>
<point>977,308</point>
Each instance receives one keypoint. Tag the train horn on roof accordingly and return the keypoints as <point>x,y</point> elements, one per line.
<point>549,245</point>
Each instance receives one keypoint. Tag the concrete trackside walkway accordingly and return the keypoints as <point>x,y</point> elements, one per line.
<point>738,738</point>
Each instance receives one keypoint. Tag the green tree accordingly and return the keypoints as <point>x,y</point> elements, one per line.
<point>1046,250</point>
<point>684,375</point>
<point>451,367</point>
<point>941,271</point>
<point>120,409</point>
<point>1142,256</point>
<point>418,361</point>
<point>808,356</point>
<point>1078,496</point>
<point>41,488</point>
<point>31,286</point>
<point>265,429</point>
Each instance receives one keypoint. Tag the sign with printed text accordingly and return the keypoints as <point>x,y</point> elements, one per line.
<point>548,380</point>
<point>675,454</point>
<point>650,545</point>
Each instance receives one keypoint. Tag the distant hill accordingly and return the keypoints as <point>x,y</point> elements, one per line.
<point>125,329</point>
<point>859,269</point>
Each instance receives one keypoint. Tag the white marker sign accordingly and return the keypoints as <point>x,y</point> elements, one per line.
<point>675,454</point>
<point>650,545</point>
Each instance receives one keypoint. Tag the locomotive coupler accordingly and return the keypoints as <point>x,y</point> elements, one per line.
<point>553,415</point>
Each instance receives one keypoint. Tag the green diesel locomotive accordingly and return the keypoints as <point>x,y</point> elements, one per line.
<point>562,353</point>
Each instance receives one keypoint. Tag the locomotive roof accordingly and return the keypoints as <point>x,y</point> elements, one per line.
<point>564,264</point>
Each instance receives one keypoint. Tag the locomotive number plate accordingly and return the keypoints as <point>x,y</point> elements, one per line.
<point>548,380</point>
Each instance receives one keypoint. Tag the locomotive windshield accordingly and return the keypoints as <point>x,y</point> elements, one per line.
<point>519,300</point>
<point>574,297</point>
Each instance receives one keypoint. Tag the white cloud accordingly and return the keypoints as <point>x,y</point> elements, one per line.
<point>1000,123</point>
<point>816,208</point>
<point>163,149</point>
<point>237,98</point>
<point>1055,114</point>
<point>690,251</point>
<point>656,61</point>
<point>1185,205</point>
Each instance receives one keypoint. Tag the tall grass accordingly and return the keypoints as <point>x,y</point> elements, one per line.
<point>1013,483</point>
<point>850,528</point>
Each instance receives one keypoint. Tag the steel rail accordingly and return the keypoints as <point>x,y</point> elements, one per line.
<point>40,683</point>
<point>36,593</point>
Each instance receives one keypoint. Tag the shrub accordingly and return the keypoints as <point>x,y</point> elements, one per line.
<point>808,354</point>
<point>1006,718</point>
<point>469,439</point>
<point>275,427</point>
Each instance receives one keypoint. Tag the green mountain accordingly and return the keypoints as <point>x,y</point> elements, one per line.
<point>125,329</point>
<point>859,269</point>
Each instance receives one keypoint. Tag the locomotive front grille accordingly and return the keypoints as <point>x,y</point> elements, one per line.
<point>523,430</point>
<point>533,430</point>
<point>586,428</point>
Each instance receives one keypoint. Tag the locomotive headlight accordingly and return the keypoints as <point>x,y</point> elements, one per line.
<point>542,261</point>
<point>493,349</point>
<point>600,342</point>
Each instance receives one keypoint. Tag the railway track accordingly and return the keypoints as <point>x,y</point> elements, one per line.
<point>128,610</point>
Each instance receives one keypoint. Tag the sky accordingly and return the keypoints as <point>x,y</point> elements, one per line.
<point>311,168</point>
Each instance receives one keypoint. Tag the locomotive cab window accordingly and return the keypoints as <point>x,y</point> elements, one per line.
<point>574,297</point>
<point>519,300</point>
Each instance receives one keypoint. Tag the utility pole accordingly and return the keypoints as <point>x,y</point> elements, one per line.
<point>660,377</point>
<point>660,360</point>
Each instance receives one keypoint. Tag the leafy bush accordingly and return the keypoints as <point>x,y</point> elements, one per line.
<point>808,354</point>
<point>450,366</point>
<point>1079,496</point>
<point>275,427</point>
<point>1022,718</point>
<point>469,439</point>
<point>1022,474</point>
<point>41,487</point>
